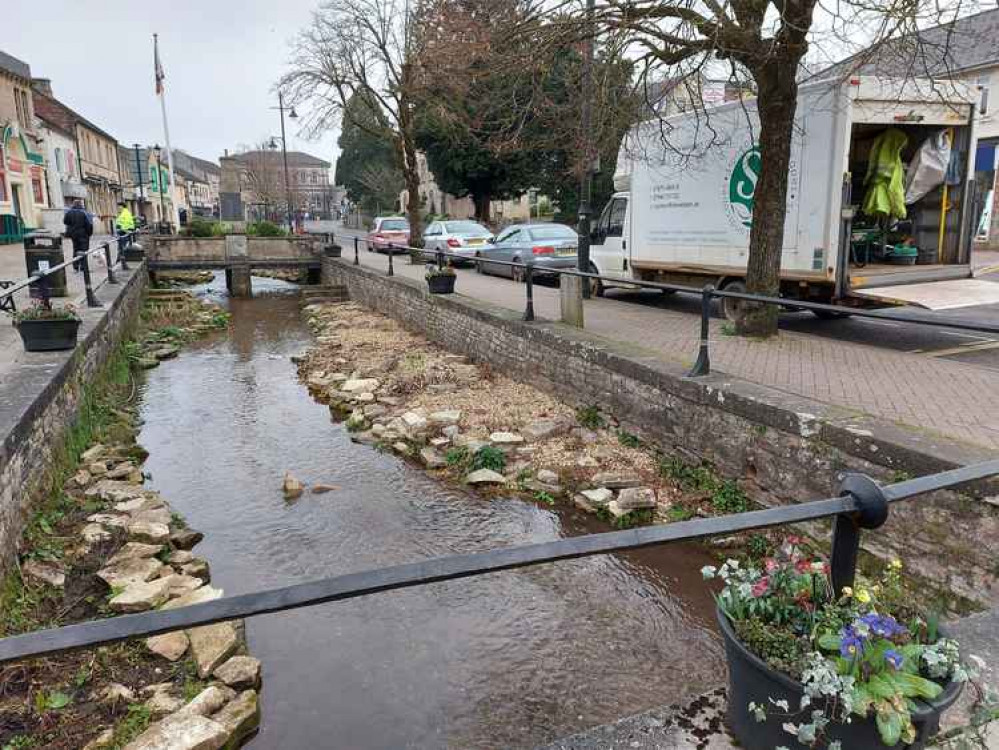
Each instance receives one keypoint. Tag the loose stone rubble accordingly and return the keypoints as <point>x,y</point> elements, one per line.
<point>399,392</point>
<point>154,567</point>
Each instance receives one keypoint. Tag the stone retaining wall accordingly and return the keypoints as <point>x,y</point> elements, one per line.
<point>39,399</point>
<point>786,448</point>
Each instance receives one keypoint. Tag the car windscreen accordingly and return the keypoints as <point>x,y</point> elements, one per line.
<point>554,232</point>
<point>394,225</point>
<point>465,227</point>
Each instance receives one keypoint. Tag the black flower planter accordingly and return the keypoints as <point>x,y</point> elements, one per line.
<point>47,335</point>
<point>332,251</point>
<point>441,283</point>
<point>751,680</point>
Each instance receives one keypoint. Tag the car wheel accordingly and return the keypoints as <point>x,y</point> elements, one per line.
<point>597,287</point>
<point>732,308</point>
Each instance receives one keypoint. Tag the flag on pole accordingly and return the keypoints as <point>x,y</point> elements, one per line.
<point>157,65</point>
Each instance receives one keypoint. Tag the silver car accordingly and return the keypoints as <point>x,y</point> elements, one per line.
<point>462,237</point>
<point>549,246</point>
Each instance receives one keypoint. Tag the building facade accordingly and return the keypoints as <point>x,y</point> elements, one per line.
<point>23,188</point>
<point>96,154</point>
<point>436,202</point>
<point>201,180</point>
<point>146,178</point>
<point>255,186</point>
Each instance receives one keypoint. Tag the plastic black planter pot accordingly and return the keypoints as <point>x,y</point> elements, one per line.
<point>48,335</point>
<point>751,680</point>
<point>441,283</point>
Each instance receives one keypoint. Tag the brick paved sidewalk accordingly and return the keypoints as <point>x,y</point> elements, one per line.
<point>944,397</point>
<point>12,267</point>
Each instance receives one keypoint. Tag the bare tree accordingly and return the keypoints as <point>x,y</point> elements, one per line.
<point>765,41</point>
<point>365,46</point>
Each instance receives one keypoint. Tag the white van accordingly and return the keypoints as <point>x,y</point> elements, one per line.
<point>686,187</point>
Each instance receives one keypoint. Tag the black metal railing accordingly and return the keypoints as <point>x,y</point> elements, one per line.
<point>861,504</point>
<point>10,288</point>
<point>708,293</point>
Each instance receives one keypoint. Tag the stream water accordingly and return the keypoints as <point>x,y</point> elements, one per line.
<point>507,660</point>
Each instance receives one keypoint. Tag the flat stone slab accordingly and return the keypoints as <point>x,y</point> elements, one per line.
<point>240,672</point>
<point>126,571</point>
<point>139,597</point>
<point>211,645</point>
<point>485,476</point>
<point>182,731</point>
<point>171,646</point>
<point>698,725</point>
<point>615,481</point>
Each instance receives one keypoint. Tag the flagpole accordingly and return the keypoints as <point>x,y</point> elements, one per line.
<point>166,137</point>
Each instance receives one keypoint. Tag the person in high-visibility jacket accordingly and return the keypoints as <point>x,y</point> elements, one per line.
<point>124,224</point>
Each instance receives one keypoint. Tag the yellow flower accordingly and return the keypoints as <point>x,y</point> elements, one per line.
<point>895,564</point>
<point>863,596</point>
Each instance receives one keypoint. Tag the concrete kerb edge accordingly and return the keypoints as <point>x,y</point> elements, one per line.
<point>895,447</point>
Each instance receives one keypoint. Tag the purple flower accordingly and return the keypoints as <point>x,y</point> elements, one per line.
<point>851,644</point>
<point>894,658</point>
<point>884,626</point>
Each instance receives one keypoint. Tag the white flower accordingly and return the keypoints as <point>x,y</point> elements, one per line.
<point>709,571</point>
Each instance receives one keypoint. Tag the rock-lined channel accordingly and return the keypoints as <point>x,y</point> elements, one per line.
<point>508,660</point>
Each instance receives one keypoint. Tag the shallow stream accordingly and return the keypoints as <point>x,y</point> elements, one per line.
<point>507,660</point>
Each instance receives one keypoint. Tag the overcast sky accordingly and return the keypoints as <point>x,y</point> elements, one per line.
<point>221,59</point>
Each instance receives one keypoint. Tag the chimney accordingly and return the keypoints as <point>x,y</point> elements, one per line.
<point>43,85</point>
<point>226,151</point>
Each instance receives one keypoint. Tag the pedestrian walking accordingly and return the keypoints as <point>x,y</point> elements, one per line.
<point>79,228</point>
<point>124,225</point>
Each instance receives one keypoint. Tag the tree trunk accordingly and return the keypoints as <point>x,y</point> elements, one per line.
<point>483,206</point>
<point>406,150</point>
<point>776,105</point>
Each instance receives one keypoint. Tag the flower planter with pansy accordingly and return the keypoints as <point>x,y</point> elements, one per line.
<point>813,668</point>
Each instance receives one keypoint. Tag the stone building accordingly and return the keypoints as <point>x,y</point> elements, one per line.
<point>437,202</point>
<point>201,179</point>
<point>23,189</point>
<point>253,186</point>
<point>146,183</point>
<point>96,154</point>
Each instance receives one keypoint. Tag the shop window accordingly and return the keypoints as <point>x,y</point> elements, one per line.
<point>36,187</point>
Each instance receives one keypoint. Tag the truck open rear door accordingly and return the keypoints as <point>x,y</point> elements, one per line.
<point>935,295</point>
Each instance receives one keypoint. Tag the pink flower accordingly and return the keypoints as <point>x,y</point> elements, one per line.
<point>793,540</point>
<point>803,566</point>
<point>761,586</point>
<point>771,565</point>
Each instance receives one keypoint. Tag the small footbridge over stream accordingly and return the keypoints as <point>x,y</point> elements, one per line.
<point>237,254</point>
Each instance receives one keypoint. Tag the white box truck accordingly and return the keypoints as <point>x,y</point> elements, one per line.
<point>686,187</point>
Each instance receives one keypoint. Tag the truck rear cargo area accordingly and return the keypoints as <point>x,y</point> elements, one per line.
<point>889,252</point>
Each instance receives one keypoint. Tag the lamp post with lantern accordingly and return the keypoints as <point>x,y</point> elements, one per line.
<point>284,153</point>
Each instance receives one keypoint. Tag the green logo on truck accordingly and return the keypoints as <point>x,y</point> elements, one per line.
<point>742,185</point>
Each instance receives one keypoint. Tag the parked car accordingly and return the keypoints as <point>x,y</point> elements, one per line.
<point>460,236</point>
<point>550,246</point>
<point>388,230</point>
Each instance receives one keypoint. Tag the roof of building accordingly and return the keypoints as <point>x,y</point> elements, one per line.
<point>964,44</point>
<point>295,158</point>
<point>57,114</point>
<point>14,66</point>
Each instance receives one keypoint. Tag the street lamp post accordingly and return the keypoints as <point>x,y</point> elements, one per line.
<point>284,154</point>
<point>138,177</point>
<point>159,183</point>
